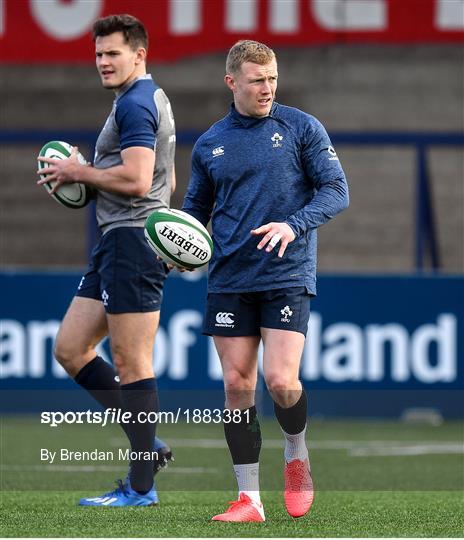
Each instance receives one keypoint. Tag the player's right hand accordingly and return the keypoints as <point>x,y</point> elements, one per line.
<point>273,234</point>
<point>178,268</point>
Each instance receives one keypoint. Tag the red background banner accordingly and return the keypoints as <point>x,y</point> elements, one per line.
<point>34,31</point>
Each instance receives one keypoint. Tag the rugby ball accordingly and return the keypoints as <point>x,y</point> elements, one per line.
<point>74,195</point>
<point>178,238</point>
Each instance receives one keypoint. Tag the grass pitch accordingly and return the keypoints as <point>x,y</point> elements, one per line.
<point>372,479</point>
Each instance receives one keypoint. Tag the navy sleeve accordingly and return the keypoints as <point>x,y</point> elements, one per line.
<point>137,124</point>
<point>199,199</point>
<point>322,166</point>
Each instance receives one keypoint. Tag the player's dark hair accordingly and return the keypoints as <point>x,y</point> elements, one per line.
<point>132,29</point>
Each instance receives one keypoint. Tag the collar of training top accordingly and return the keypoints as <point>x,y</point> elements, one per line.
<point>131,83</point>
<point>248,121</point>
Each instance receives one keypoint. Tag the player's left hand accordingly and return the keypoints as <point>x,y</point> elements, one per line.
<point>61,171</point>
<point>273,234</point>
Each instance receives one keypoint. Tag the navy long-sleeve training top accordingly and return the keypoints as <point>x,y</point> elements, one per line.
<point>250,171</point>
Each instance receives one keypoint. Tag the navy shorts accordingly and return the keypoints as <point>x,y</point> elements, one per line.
<point>244,314</point>
<point>124,273</point>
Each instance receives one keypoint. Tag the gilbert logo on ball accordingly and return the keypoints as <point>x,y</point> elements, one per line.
<point>75,195</point>
<point>178,238</point>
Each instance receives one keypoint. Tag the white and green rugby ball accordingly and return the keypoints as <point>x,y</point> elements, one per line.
<point>75,195</point>
<point>178,238</point>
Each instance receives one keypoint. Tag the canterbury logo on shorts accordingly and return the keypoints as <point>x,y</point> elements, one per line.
<point>224,319</point>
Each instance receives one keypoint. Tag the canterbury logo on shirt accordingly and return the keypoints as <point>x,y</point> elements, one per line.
<point>219,151</point>
<point>333,154</point>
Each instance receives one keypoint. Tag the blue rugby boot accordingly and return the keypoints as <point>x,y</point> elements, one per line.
<point>123,495</point>
<point>164,455</point>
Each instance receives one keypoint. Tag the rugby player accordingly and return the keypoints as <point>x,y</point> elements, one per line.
<point>120,295</point>
<point>267,176</point>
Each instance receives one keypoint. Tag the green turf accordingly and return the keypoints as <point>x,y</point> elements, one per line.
<point>415,490</point>
<point>358,514</point>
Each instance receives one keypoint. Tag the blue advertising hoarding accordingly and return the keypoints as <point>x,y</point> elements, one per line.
<point>376,344</point>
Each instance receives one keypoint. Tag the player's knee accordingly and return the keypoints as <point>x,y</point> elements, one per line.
<point>71,354</point>
<point>131,367</point>
<point>239,390</point>
<point>280,384</point>
<point>118,358</point>
<point>236,382</point>
<point>122,354</point>
<point>126,369</point>
<point>65,353</point>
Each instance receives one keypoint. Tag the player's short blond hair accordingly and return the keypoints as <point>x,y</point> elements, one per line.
<point>247,50</point>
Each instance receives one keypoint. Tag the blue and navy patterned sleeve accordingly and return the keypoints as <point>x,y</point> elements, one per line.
<point>322,166</point>
<point>199,199</point>
<point>136,123</point>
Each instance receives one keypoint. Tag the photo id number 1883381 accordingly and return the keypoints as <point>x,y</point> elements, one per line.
<point>216,416</point>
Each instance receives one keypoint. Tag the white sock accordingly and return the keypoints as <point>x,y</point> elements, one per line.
<point>248,480</point>
<point>295,446</point>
